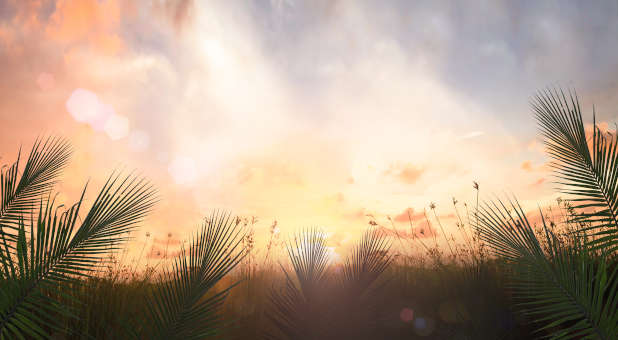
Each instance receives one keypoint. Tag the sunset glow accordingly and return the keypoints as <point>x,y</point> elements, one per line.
<point>326,114</point>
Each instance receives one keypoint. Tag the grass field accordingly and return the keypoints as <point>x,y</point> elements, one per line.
<point>464,295</point>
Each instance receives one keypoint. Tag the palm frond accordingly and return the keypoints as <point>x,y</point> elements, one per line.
<point>368,260</point>
<point>569,287</point>
<point>51,250</point>
<point>309,256</point>
<point>315,305</point>
<point>359,291</point>
<point>180,307</point>
<point>21,194</point>
<point>298,308</point>
<point>588,172</point>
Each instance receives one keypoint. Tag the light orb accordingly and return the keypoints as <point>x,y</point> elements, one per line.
<point>45,81</point>
<point>406,314</point>
<point>183,170</point>
<point>116,127</point>
<point>139,141</point>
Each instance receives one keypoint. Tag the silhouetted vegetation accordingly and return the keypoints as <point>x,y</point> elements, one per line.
<point>512,275</point>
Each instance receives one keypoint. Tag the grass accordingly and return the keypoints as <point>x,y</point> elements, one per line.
<point>460,295</point>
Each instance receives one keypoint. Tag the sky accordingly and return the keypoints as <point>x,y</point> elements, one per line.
<point>318,113</point>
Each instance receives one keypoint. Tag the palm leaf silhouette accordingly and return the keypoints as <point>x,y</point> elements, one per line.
<point>50,250</point>
<point>359,290</point>
<point>316,305</point>
<point>589,173</point>
<point>179,307</point>
<point>570,287</point>
<point>21,194</point>
<point>298,308</point>
<point>368,260</point>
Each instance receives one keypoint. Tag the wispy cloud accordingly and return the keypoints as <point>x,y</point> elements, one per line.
<point>472,134</point>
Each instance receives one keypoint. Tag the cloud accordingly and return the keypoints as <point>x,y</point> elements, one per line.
<point>527,165</point>
<point>170,240</point>
<point>270,173</point>
<point>421,231</point>
<point>177,11</point>
<point>86,107</point>
<point>472,134</point>
<point>406,173</point>
<point>92,21</point>
<point>535,146</point>
<point>409,215</point>
<point>356,215</point>
<point>538,182</point>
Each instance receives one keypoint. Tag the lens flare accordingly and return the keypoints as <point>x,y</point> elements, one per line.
<point>139,141</point>
<point>46,81</point>
<point>424,326</point>
<point>116,127</point>
<point>406,314</point>
<point>453,312</point>
<point>183,170</point>
<point>85,107</point>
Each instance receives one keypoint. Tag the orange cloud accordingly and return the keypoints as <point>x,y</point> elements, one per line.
<point>538,182</point>
<point>269,173</point>
<point>92,21</point>
<point>406,173</point>
<point>170,241</point>
<point>536,146</point>
<point>358,214</point>
<point>422,231</point>
<point>109,44</point>
<point>409,215</point>
<point>450,216</point>
<point>526,166</point>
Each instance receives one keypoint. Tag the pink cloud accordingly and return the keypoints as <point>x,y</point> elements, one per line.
<point>538,182</point>
<point>409,215</point>
<point>406,173</point>
<point>422,231</point>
